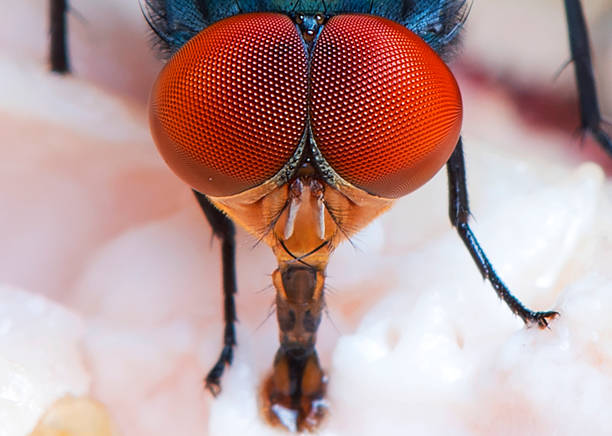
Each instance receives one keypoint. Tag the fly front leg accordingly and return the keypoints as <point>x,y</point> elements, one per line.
<point>223,228</point>
<point>459,215</point>
<point>583,67</point>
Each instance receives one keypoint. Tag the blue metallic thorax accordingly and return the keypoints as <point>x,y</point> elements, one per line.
<point>437,22</point>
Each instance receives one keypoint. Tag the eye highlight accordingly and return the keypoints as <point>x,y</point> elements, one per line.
<point>229,109</point>
<point>385,110</point>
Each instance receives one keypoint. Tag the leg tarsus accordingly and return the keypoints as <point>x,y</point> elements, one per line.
<point>580,48</point>
<point>213,379</point>
<point>223,228</point>
<point>459,213</point>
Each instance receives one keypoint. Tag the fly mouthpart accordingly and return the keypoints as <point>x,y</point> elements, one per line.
<point>321,226</point>
<point>297,195</point>
<point>294,207</point>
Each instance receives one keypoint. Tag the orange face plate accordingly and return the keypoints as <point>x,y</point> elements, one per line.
<point>385,110</point>
<point>229,109</point>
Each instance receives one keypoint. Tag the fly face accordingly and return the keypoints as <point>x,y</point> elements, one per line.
<point>304,120</point>
<point>302,127</point>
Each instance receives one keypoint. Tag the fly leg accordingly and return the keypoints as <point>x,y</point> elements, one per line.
<point>223,228</point>
<point>585,82</point>
<point>459,215</point>
<point>58,50</point>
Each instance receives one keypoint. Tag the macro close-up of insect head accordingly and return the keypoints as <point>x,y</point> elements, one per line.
<point>229,217</point>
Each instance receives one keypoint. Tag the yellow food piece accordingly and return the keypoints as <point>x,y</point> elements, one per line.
<point>71,416</point>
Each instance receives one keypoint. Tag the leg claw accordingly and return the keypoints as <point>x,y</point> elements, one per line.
<point>541,319</point>
<point>212,386</point>
<point>213,380</point>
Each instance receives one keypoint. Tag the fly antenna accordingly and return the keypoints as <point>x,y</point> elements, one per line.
<point>238,6</point>
<point>313,251</point>
<point>295,258</point>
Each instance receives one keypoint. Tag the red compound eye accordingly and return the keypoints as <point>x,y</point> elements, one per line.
<point>229,109</point>
<point>386,111</point>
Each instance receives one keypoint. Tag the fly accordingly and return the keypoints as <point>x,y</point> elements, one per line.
<point>304,120</point>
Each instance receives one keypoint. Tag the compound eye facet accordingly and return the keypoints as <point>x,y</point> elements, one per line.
<point>385,110</point>
<point>228,110</point>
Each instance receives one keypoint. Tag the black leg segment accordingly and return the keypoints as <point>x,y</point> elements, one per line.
<point>58,50</point>
<point>583,68</point>
<point>223,228</point>
<point>459,215</point>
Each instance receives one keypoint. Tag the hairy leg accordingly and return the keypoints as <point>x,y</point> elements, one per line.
<point>223,228</point>
<point>459,212</point>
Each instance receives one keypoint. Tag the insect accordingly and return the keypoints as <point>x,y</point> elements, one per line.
<point>288,119</point>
